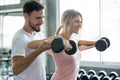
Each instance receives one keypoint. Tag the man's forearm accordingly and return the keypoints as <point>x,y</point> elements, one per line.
<point>21,63</point>
<point>36,43</point>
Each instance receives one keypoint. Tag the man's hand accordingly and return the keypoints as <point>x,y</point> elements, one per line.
<point>44,45</point>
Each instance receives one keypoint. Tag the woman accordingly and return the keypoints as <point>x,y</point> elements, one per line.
<point>67,66</point>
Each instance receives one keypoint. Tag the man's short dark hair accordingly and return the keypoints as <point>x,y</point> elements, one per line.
<point>31,6</point>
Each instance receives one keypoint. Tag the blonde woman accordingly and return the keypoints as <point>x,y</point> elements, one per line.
<point>67,66</point>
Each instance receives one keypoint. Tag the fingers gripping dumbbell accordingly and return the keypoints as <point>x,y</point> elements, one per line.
<point>59,44</point>
<point>100,76</point>
<point>102,44</point>
<point>89,75</point>
<point>111,76</point>
<point>81,72</point>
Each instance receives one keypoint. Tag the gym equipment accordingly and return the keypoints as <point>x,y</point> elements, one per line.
<point>100,75</point>
<point>48,76</point>
<point>73,49</point>
<point>117,78</point>
<point>58,45</point>
<point>106,78</point>
<point>108,41</point>
<point>81,72</point>
<point>89,75</point>
<point>102,44</point>
<point>112,75</point>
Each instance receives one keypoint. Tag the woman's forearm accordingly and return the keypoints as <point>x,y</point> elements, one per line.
<point>85,42</point>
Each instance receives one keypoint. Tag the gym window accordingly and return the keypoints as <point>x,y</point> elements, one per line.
<point>9,2</point>
<point>100,19</point>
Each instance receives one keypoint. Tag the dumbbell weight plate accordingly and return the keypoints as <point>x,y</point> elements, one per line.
<point>106,78</point>
<point>117,78</point>
<point>100,75</point>
<point>101,45</point>
<point>113,75</point>
<point>107,40</point>
<point>82,71</point>
<point>95,77</point>
<point>74,48</point>
<point>57,45</point>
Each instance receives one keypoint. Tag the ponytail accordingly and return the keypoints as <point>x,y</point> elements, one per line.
<point>58,31</point>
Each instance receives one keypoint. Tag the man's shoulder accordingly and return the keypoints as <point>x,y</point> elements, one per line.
<point>19,34</point>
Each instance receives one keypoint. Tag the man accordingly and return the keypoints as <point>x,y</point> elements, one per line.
<point>27,63</point>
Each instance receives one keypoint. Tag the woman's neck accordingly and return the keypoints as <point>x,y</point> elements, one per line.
<point>66,36</point>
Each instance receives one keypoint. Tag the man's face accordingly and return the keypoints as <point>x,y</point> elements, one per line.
<point>36,20</point>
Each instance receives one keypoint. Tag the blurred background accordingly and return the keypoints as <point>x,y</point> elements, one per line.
<point>101,18</point>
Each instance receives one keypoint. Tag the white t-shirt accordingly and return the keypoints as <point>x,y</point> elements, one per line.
<point>36,71</point>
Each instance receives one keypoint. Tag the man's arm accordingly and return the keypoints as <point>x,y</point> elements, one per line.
<point>36,43</point>
<point>20,63</point>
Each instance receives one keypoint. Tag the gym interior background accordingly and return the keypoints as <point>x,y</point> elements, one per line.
<point>101,18</point>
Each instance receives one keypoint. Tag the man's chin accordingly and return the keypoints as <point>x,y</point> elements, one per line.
<point>37,30</point>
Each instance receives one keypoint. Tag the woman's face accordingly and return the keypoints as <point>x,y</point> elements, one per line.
<point>76,24</point>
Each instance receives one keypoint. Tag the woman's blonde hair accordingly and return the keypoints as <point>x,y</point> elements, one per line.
<point>67,18</point>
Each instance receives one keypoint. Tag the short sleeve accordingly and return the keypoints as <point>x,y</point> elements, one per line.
<point>18,47</point>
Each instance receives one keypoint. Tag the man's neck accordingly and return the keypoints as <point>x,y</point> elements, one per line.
<point>27,29</point>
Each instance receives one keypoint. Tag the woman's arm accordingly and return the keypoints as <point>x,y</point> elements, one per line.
<point>84,44</point>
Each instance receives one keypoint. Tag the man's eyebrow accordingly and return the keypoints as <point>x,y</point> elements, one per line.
<point>40,17</point>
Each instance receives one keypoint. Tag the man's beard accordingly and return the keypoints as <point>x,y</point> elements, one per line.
<point>33,26</point>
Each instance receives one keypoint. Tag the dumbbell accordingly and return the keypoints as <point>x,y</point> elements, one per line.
<point>48,76</point>
<point>102,44</point>
<point>58,45</point>
<point>112,75</point>
<point>81,72</point>
<point>100,75</point>
<point>89,75</point>
<point>117,78</point>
